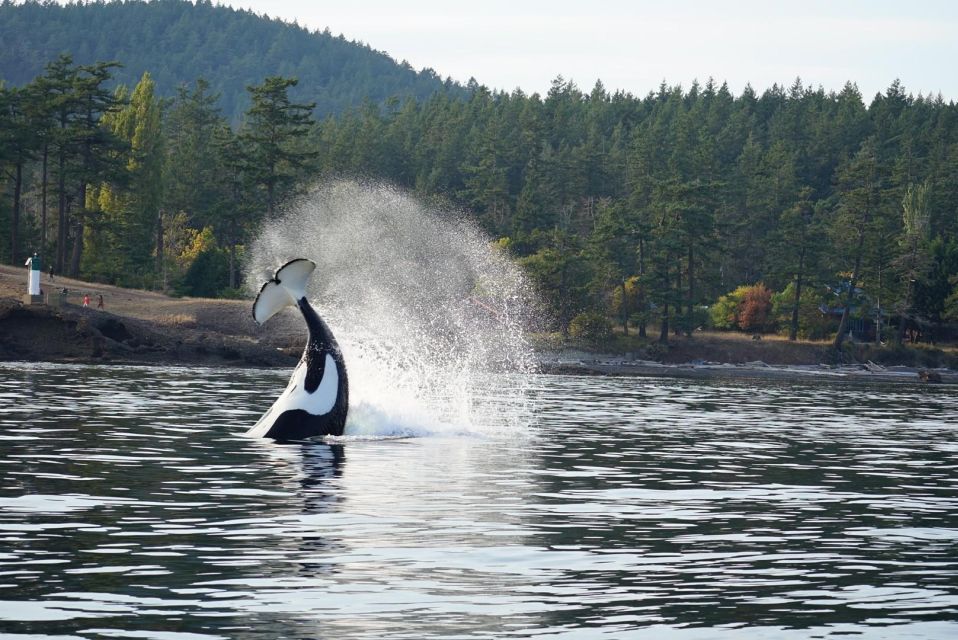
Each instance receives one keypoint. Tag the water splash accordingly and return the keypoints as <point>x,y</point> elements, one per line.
<point>427,311</point>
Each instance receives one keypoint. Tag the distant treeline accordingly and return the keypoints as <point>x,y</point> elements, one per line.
<point>650,209</point>
<point>178,41</point>
<point>795,210</point>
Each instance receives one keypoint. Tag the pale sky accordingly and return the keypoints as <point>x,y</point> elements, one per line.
<point>634,45</point>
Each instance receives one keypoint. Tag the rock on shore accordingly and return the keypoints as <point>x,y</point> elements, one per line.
<point>78,334</point>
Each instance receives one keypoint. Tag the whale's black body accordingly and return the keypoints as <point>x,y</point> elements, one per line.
<point>316,401</point>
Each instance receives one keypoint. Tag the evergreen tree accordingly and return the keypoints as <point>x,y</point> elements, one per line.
<point>272,136</point>
<point>129,212</point>
<point>192,165</point>
<point>196,176</point>
<point>798,243</point>
<point>620,206</point>
<point>58,85</point>
<point>855,222</point>
<point>17,144</point>
<point>914,257</point>
<point>97,149</point>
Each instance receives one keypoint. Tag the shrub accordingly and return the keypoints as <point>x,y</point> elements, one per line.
<point>626,296</point>
<point>591,326</point>
<point>748,308</point>
<point>207,275</point>
<point>754,311</point>
<point>812,323</point>
<point>656,351</point>
<point>724,313</point>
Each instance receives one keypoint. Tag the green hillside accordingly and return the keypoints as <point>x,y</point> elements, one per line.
<point>178,41</point>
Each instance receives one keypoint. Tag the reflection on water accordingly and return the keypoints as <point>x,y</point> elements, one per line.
<point>131,506</point>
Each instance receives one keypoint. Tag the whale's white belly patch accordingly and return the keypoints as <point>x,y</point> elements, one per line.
<point>295,397</point>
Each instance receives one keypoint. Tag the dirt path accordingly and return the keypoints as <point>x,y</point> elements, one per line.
<point>225,316</point>
<point>137,326</point>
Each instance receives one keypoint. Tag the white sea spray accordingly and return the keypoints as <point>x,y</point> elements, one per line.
<point>431,316</point>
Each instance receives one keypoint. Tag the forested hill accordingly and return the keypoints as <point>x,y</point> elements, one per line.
<point>178,41</point>
<point>793,209</point>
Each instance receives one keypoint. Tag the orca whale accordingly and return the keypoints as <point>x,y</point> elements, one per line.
<point>316,399</point>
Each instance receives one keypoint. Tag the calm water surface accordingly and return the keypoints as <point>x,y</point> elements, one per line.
<point>132,507</point>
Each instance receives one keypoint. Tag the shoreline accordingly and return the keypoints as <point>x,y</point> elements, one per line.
<point>147,328</point>
<point>79,335</point>
<point>753,371</point>
<point>85,336</point>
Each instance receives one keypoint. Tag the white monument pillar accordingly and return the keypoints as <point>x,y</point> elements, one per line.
<point>33,287</point>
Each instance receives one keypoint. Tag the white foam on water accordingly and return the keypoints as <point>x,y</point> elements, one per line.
<point>429,314</point>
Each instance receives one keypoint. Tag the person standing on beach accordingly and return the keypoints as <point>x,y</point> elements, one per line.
<point>99,301</point>
<point>51,273</point>
<point>86,299</point>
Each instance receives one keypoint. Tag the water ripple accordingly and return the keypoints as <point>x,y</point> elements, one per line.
<point>131,506</point>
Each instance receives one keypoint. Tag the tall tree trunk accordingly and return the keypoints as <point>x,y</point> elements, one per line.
<point>910,273</point>
<point>667,283</point>
<point>903,319</point>
<point>77,249</point>
<point>233,283</point>
<point>61,214</point>
<point>78,238</point>
<point>843,325</point>
<point>676,326</point>
<point>15,223</point>
<point>643,304</point>
<point>689,315</point>
<point>793,328</point>
<point>160,262</point>
<point>878,308</point>
<point>43,199</point>
<point>564,312</point>
<point>61,254</point>
<point>625,309</point>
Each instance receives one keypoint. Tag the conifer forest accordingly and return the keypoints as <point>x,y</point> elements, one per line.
<point>809,212</point>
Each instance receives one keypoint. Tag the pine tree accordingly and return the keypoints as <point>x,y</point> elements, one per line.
<point>860,200</point>
<point>17,146</point>
<point>192,165</point>
<point>797,243</point>
<point>913,260</point>
<point>195,176</point>
<point>272,136</point>
<point>39,108</point>
<point>130,210</point>
<point>58,85</point>
<point>97,149</point>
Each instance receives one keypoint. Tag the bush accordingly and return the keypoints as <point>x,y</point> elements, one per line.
<point>591,326</point>
<point>754,312</point>
<point>724,313</point>
<point>747,308</point>
<point>656,351</point>
<point>207,275</point>
<point>812,323</point>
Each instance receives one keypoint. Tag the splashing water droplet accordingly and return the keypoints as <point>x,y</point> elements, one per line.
<point>431,317</point>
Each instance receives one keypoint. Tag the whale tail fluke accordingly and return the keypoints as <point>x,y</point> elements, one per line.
<point>286,288</point>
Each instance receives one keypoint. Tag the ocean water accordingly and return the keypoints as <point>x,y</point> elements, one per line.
<point>131,506</point>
